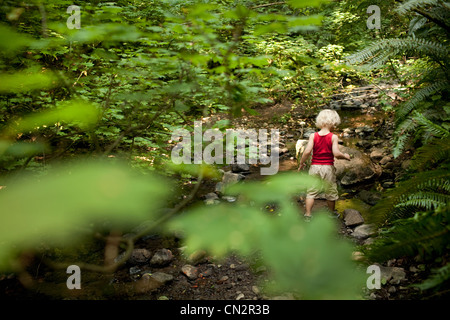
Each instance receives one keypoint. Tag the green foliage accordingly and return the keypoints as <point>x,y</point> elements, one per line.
<point>295,252</point>
<point>416,212</point>
<point>425,234</point>
<point>117,88</point>
<point>439,278</point>
<point>72,200</point>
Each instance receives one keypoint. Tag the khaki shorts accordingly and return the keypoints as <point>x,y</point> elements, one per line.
<point>328,174</point>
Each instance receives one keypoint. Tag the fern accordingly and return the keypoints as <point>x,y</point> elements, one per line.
<point>426,234</point>
<point>395,46</point>
<point>431,154</point>
<point>426,200</point>
<point>414,4</point>
<point>393,206</point>
<point>402,135</point>
<point>433,128</point>
<point>419,96</point>
<point>438,277</point>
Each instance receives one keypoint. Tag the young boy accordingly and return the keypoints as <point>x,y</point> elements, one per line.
<point>324,147</point>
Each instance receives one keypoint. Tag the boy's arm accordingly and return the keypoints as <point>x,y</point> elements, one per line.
<point>307,152</point>
<point>336,152</point>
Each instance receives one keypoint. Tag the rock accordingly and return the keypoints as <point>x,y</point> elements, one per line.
<point>229,198</point>
<point>236,168</point>
<point>134,270</point>
<point>240,296</point>
<point>256,290</point>
<point>369,241</point>
<point>219,188</point>
<point>352,218</point>
<point>385,160</point>
<point>393,275</point>
<point>190,271</point>
<point>231,178</point>
<point>359,169</point>
<point>161,258</point>
<point>212,196</point>
<point>358,256</point>
<point>365,144</point>
<point>209,202</point>
<point>392,289</point>
<point>377,154</point>
<point>162,277</point>
<point>369,197</point>
<point>363,231</point>
<point>147,284</point>
<point>197,257</point>
<point>308,132</point>
<point>140,256</point>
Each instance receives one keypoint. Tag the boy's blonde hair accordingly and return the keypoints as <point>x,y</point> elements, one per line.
<point>328,117</point>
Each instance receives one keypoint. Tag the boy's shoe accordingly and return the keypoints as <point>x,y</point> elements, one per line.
<point>335,215</point>
<point>307,218</point>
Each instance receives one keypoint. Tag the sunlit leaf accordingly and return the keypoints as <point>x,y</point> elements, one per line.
<point>24,81</point>
<point>78,112</point>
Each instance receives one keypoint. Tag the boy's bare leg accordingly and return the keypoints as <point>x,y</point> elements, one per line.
<point>331,205</point>
<point>309,202</point>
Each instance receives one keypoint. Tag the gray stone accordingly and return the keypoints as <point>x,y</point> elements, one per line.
<point>236,168</point>
<point>219,188</point>
<point>359,169</point>
<point>352,218</point>
<point>393,275</point>
<point>211,196</point>
<point>364,231</point>
<point>385,160</point>
<point>229,198</point>
<point>139,256</point>
<point>162,277</point>
<point>161,258</point>
<point>190,271</point>
<point>209,202</point>
<point>377,154</point>
<point>231,178</point>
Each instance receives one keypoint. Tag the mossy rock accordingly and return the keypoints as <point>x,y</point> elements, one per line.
<point>353,203</point>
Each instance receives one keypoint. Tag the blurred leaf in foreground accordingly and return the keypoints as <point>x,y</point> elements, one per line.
<point>69,198</point>
<point>304,258</point>
<point>79,112</point>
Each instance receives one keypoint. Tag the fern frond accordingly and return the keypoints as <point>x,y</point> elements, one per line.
<point>389,208</point>
<point>435,129</point>
<point>394,46</point>
<point>403,133</point>
<point>414,4</point>
<point>424,234</point>
<point>431,154</point>
<point>425,200</point>
<point>438,277</point>
<point>419,96</point>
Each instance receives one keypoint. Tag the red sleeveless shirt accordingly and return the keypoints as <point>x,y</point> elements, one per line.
<point>322,150</point>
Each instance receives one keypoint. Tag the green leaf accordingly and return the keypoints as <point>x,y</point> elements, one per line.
<point>71,197</point>
<point>24,81</point>
<point>81,113</point>
<point>305,3</point>
<point>11,41</point>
